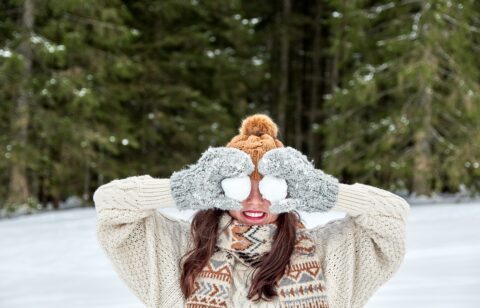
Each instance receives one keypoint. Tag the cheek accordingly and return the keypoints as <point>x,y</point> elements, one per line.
<point>235,214</point>
<point>273,218</point>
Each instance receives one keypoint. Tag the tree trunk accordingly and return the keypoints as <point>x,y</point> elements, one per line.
<point>284,71</point>
<point>18,187</point>
<point>86,181</point>
<point>298,73</point>
<point>422,148</point>
<point>315,82</point>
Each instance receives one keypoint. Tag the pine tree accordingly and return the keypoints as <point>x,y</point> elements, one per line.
<point>411,99</point>
<point>76,60</point>
<point>384,93</point>
<point>198,71</point>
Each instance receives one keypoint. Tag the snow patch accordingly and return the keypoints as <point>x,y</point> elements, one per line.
<point>53,260</point>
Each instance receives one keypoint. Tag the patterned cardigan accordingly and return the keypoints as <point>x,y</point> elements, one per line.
<point>358,253</point>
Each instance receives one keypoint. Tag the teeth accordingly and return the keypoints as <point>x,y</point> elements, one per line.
<point>253,214</point>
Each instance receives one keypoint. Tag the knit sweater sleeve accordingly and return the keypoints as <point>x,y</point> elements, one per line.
<point>144,245</point>
<point>363,250</point>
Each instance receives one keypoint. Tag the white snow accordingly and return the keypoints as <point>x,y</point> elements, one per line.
<point>53,260</point>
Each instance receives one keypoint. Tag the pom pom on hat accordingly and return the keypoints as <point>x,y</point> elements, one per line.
<point>258,134</point>
<point>258,125</point>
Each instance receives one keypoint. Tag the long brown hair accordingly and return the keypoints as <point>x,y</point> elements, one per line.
<point>204,230</point>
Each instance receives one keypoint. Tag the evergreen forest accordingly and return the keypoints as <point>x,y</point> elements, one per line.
<point>385,93</point>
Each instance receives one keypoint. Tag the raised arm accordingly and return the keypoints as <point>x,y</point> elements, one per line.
<point>144,245</point>
<point>363,250</point>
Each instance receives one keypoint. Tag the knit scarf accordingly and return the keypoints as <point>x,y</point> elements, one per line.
<point>302,285</point>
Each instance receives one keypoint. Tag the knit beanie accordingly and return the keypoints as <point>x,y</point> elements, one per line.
<point>258,135</point>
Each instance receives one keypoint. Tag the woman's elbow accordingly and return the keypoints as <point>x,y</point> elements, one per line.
<point>101,197</point>
<point>403,208</point>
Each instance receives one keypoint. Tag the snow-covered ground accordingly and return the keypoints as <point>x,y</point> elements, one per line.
<point>53,260</point>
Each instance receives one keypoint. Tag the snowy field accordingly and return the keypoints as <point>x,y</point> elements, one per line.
<point>53,260</point>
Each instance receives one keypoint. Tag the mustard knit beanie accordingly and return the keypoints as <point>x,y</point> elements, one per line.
<point>257,135</point>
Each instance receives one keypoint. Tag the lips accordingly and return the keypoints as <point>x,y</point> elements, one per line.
<point>254,216</point>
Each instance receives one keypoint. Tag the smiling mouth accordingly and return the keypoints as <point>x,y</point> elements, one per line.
<point>254,215</point>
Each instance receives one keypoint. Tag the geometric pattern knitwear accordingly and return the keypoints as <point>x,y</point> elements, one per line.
<point>302,284</point>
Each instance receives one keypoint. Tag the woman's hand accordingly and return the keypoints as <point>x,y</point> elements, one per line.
<point>309,189</point>
<point>199,186</point>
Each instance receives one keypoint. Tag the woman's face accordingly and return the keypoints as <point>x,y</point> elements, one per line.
<point>255,209</point>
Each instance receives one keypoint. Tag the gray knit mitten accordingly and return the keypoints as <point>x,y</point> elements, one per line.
<point>309,189</point>
<point>199,185</point>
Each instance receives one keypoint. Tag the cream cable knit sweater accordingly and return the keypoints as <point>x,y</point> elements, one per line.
<point>358,253</point>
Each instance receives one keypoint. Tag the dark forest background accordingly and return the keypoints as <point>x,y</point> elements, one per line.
<point>384,93</point>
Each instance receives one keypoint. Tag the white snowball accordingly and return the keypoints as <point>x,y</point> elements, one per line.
<point>237,188</point>
<point>273,188</point>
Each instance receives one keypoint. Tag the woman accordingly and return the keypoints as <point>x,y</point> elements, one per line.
<point>246,245</point>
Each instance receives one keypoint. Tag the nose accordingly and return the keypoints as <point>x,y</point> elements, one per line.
<point>255,197</point>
